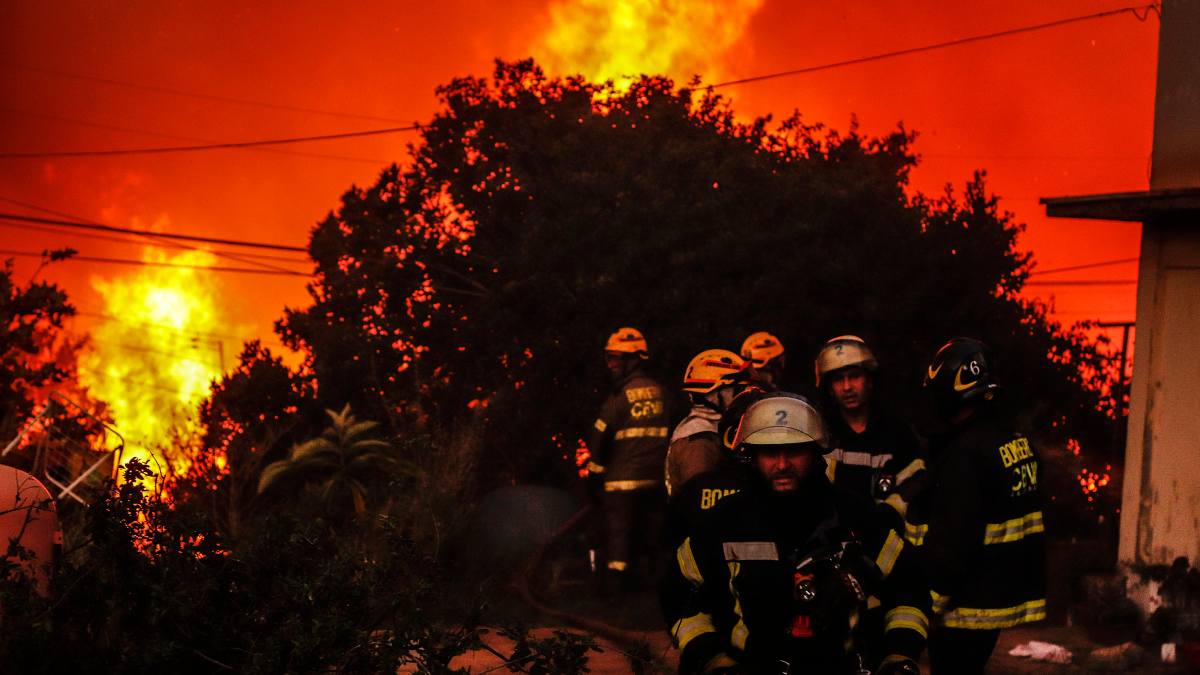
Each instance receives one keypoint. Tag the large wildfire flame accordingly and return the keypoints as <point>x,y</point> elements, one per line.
<point>152,361</point>
<point>619,39</point>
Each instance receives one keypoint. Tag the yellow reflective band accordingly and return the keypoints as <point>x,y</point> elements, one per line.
<point>897,502</point>
<point>990,619</point>
<point>939,601</point>
<point>626,485</point>
<point>593,467</point>
<point>830,468</point>
<point>889,553</point>
<point>618,565</point>
<point>737,637</point>
<point>600,425</point>
<point>687,563</point>
<point>893,658</point>
<point>915,534</point>
<point>641,432</point>
<point>686,630</point>
<point>910,470</point>
<point>907,617</point>
<point>1015,529</point>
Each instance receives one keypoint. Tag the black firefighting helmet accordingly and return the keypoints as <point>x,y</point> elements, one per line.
<point>778,418</point>
<point>727,426</point>
<point>961,373</point>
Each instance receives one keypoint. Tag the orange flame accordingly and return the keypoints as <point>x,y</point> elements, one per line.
<point>152,362</point>
<point>620,39</point>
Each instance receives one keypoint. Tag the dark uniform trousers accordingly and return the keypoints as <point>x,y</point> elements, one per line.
<point>628,446</point>
<point>730,594</point>
<point>981,536</point>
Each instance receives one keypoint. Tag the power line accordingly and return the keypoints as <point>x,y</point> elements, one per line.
<point>1084,282</point>
<point>1141,12</point>
<point>148,263</point>
<point>191,94</point>
<point>1088,266</point>
<point>164,235</point>
<point>237,257</point>
<point>165,244</point>
<point>156,134</point>
<point>210,146</point>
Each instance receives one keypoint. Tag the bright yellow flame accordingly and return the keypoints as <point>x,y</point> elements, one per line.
<point>153,358</point>
<point>621,39</point>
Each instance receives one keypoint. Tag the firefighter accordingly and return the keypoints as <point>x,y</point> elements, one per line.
<point>875,454</point>
<point>712,379</point>
<point>690,501</point>
<point>627,445</point>
<point>765,353</point>
<point>776,575</point>
<point>980,526</point>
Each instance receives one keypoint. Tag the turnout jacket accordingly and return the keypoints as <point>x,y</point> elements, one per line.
<point>729,594</point>
<point>629,437</point>
<point>695,447</point>
<point>690,502</point>
<point>980,529</point>
<point>884,462</point>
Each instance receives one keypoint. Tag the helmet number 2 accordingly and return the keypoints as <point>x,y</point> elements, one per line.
<point>781,417</point>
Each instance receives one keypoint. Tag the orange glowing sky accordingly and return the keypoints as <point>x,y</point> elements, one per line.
<point>1049,113</point>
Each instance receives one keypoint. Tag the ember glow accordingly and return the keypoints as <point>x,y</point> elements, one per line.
<point>151,361</point>
<point>605,40</point>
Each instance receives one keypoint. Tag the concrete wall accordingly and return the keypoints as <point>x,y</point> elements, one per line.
<point>1177,98</point>
<point>1160,517</point>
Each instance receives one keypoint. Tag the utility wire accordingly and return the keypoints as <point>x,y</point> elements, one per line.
<point>165,235</point>
<point>1088,266</point>
<point>211,146</point>
<point>236,257</point>
<point>149,263</point>
<point>1141,12</point>
<point>192,94</point>
<point>156,134</point>
<point>164,244</point>
<point>1084,282</point>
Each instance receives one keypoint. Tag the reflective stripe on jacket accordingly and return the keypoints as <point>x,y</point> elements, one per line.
<point>732,586</point>
<point>628,442</point>
<point>980,528</point>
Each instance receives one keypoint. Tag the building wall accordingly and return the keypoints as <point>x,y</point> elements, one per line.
<point>1177,98</point>
<point>1160,517</point>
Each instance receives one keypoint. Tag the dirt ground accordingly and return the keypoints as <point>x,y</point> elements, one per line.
<point>615,658</point>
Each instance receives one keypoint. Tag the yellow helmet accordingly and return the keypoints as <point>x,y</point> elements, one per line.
<point>844,351</point>
<point>760,348</point>
<point>627,341</point>
<point>712,369</point>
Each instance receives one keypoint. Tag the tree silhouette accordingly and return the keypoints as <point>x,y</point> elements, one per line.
<point>474,287</point>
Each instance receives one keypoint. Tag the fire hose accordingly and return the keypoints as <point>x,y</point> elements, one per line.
<point>632,640</point>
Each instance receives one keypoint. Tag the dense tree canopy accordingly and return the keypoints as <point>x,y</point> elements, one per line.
<point>476,284</point>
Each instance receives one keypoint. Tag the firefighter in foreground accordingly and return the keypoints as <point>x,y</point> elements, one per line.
<point>775,578</point>
<point>712,379</point>
<point>874,453</point>
<point>628,444</point>
<point>765,353</point>
<point>980,526</point>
